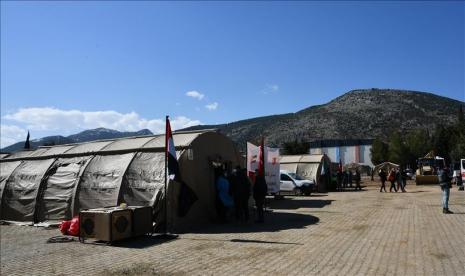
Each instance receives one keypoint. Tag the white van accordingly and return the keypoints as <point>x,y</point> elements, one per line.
<point>292,183</point>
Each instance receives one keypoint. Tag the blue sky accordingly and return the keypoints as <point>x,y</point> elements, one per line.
<point>69,66</point>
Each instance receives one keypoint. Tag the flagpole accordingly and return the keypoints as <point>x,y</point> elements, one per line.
<point>166,176</point>
<point>165,235</point>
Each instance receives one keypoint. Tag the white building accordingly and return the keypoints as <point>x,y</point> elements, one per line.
<point>348,151</point>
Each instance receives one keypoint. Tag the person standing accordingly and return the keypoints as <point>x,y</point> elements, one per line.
<point>350,178</point>
<point>392,179</point>
<point>444,183</point>
<point>400,186</point>
<point>259,193</point>
<point>241,195</point>
<point>339,180</point>
<point>357,180</point>
<point>345,179</point>
<point>233,190</point>
<point>224,202</point>
<point>404,179</point>
<point>382,177</point>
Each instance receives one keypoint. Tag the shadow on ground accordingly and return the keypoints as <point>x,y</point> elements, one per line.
<point>274,221</point>
<point>142,242</point>
<point>296,203</point>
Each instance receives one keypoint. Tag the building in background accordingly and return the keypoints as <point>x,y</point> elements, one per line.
<point>348,151</point>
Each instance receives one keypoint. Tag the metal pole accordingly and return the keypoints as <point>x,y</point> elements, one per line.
<point>166,176</point>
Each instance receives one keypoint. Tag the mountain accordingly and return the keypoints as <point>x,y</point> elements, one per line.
<point>84,136</point>
<point>358,114</point>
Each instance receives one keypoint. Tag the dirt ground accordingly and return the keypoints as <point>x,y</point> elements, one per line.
<point>339,233</point>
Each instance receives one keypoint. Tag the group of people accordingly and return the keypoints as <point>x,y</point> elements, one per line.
<point>395,176</point>
<point>400,177</point>
<point>233,193</point>
<point>345,180</point>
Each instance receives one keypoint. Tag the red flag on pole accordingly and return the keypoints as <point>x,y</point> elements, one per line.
<point>172,160</point>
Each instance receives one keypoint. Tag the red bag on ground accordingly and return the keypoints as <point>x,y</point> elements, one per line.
<point>74,227</point>
<point>64,226</point>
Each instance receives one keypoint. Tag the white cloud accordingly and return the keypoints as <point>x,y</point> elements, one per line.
<point>53,119</point>
<point>195,94</point>
<point>212,106</point>
<point>10,134</point>
<point>270,88</point>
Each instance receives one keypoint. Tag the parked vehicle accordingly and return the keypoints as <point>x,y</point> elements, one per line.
<point>292,183</point>
<point>459,174</point>
<point>427,169</point>
<point>462,169</point>
<point>410,174</point>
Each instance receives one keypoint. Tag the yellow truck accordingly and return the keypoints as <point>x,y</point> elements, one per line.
<point>427,169</point>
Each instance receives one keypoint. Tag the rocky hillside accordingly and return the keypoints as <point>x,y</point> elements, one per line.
<point>358,114</point>
<point>84,136</point>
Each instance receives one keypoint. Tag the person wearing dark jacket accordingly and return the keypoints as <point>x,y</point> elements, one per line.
<point>400,184</point>
<point>260,190</point>
<point>445,184</point>
<point>339,180</point>
<point>404,179</point>
<point>241,194</point>
<point>350,178</point>
<point>357,180</point>
<point>383,178</point>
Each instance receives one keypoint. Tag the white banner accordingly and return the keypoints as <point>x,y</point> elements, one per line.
<point>252,157</point>
<point>272,169</point>
<point>271,165</point>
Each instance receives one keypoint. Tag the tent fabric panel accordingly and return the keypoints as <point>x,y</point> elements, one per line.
<point>6,169</point>
<point>57,150</point>
<point>311,158</point>
<point>3,155</point>
<point>387,166</point>
<point>144,179</point>
<point>19,200</point>
<point>290,167</point>
<point>289,159</point>
<point>308,170</point>
<point>38,152</point>
<point>156,142</point>
<point>88,147</point>
<point>100,183</point>
<point>20,154</point>
<point>129,143</point>
<point>59,189</point>
<point>184,139</point>
<point>180,140</point>
<point>301,158</point>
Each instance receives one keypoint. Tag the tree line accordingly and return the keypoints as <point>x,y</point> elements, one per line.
<point>405,148</point>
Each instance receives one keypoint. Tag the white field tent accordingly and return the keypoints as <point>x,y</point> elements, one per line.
<point>55,183</point>
<point>309,166</point>
<point>386,166</point>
